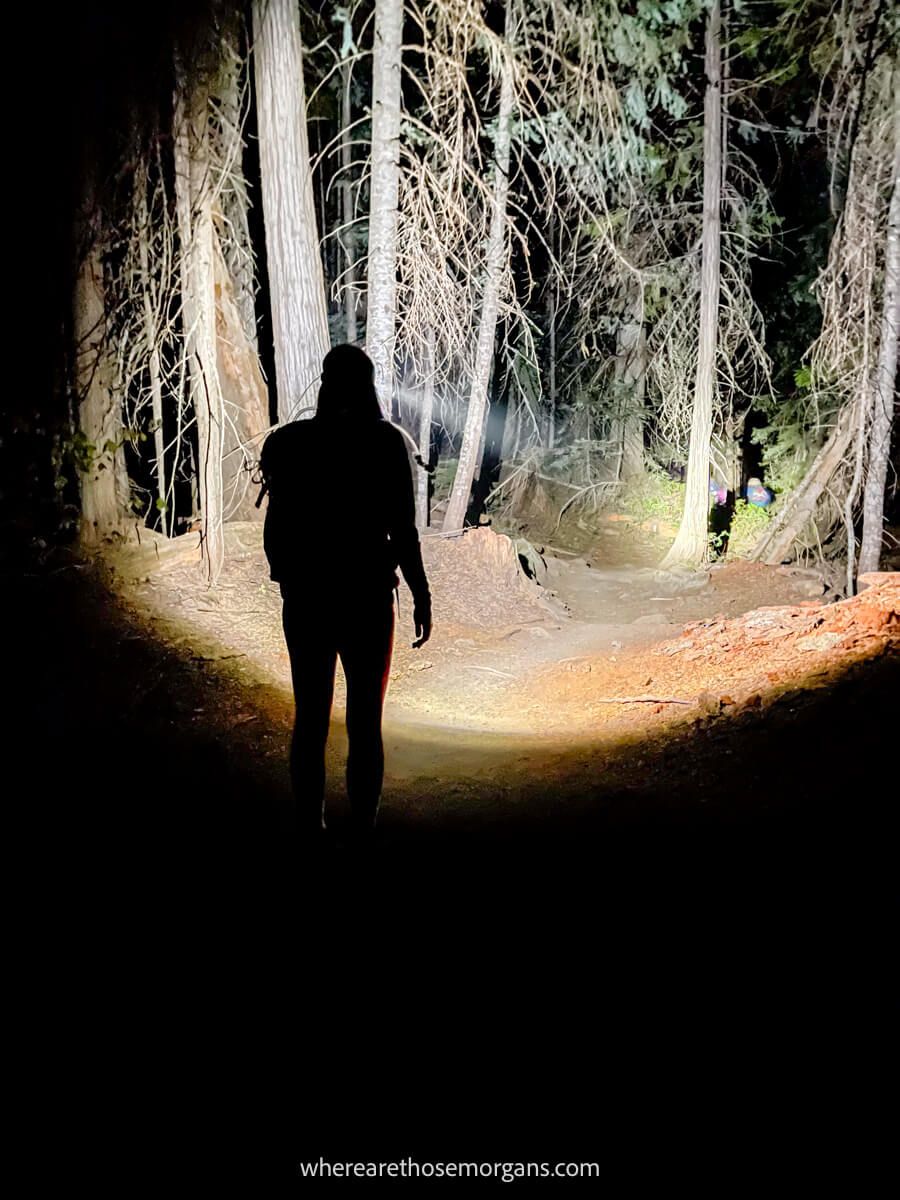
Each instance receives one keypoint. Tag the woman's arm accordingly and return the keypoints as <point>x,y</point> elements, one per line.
<point>404,535</point>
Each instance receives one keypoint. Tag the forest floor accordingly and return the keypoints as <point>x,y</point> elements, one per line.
<point>528,680</point>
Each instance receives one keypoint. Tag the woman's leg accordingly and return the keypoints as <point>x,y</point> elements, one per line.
<point>313,654</point>
<point>365,648</point>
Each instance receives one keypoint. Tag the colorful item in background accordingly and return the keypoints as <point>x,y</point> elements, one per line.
<point>758,495</point>
<point>718,492</point>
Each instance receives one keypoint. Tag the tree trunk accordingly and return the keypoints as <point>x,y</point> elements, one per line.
<point>346,238</point>
<point>381,306</point>
<point>885,379</point>
<point>238,247</point>
<point>99,411</point>
<point>861,406</point>
<point>296,278</point>
<point>552,306</point>
<point>151,333</point>
<point>193,199</point>
<point>551,367</point>
<point>691,546</point>
<point>490,456</point>
<point>734,433</point>
<point>490,307</point>
<point>426,415</point>
<point>244,396</point>
<point>329,267</point>
<point>633,430</point>
<point>630,372</point>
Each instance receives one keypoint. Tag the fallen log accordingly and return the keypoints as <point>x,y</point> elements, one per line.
<point>788,524</point>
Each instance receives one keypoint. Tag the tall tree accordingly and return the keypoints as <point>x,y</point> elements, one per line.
<point>296,278</point>
<point>231,108</point>
<point>244,396</point>
<point>633,345</point>
<point>426,416</point>
<point>381,307</point>
<point>244,393</point>
<point>691,543</point>
<point>194,204</point>
<point>99,411</point>
<point>630,376</point>
<point>346,235</point>
<point>885,376</point>
<point>347,211</point>
<point>151,329</point>
<point>490,308</point>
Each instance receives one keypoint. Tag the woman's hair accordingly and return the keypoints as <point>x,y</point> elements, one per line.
<point>348,386</point>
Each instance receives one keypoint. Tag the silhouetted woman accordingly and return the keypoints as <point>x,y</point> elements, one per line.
<point>340,521</point>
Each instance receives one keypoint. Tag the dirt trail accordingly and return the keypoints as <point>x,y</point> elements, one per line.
<point>194,733</point>
<point>525,676</point>
<point>495,631</point>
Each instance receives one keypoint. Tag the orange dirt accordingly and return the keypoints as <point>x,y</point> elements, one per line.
<point>720,664</point>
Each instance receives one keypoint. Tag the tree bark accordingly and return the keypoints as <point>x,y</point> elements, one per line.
<point>734,432</point>
<point>633,427</point>
<point>490,307</point>
<point>235,202</point>
<point>296,277</point>
<point>381,306</point>
<point>99,411</point>
<point>551,368</point>
<point>244,396</point>
<point>151,333</point>
<point>193,199</point>
<point>630,373</point>
<point>691,545</point>
<point>426,415</point>
<point>346,238</point>
<point>885,379</point>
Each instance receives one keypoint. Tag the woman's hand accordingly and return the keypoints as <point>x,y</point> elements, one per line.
<point>422,622</point>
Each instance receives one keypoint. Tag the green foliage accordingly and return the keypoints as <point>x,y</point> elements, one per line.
<point>803,377</point>
<point>651,42</point>
<point>786,447</point>
<point>78,450</point>
<point>748,524</point>
<point>646,49</point>
<point>654,496</point>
